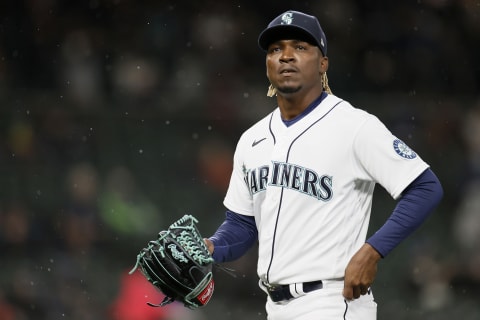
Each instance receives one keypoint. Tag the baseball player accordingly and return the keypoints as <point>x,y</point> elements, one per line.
<point>302,185</point>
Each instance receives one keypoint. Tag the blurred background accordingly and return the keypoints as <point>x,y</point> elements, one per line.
<point>117,117</point>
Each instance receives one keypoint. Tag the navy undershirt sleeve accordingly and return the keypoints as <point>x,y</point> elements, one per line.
<point>235,236</point>
<point>417,202</point>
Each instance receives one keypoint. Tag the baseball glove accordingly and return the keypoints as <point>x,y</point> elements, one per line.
<point>179,264</point>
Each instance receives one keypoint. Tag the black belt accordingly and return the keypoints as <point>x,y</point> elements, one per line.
<point>282,292</point>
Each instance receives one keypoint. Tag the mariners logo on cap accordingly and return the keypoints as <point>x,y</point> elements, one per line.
<point>403,150</point>
<point>287,18</point>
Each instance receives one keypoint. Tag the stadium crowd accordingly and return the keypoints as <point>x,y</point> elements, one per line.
<point>118,116</point>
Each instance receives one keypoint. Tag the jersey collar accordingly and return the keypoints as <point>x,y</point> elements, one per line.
<point>307,110</point>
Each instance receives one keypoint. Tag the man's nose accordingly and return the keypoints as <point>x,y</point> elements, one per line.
<point>287,55</point>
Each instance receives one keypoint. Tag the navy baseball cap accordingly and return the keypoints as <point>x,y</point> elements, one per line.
<point>294,25</point>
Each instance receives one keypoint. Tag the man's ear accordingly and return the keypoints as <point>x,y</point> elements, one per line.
<point>323,64</point>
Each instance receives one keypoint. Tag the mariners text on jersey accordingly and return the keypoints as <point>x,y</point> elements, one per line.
<point>290,176</point>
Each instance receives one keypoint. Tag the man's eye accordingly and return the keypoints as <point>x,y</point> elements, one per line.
<point>300,47</point>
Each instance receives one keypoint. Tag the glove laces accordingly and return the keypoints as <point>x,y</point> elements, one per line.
<point>193,246</point>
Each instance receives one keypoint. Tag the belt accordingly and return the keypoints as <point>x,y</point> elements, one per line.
<point>289,291</point>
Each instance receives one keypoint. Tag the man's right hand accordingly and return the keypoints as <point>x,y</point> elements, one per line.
<point>209,244</point>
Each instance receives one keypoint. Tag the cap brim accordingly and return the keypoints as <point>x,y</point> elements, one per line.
<point>284,32</point>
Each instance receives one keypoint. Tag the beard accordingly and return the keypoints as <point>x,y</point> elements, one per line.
<point>288,89</point>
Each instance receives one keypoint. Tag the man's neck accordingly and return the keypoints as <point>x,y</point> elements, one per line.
<point>291,105</point>
<point>307,110</point>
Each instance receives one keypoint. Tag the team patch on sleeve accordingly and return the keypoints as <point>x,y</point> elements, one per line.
<point>403,150</point>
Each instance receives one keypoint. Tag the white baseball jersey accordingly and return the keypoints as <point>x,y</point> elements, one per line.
<point>310,186</point>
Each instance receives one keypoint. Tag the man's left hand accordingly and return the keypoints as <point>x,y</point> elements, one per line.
<point>360,272</point>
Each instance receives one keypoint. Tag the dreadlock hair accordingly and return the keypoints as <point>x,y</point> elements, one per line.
<point>272,91</point>
<point>325,85</point>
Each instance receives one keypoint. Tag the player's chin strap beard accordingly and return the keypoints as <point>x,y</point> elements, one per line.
<point>272,91</point>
